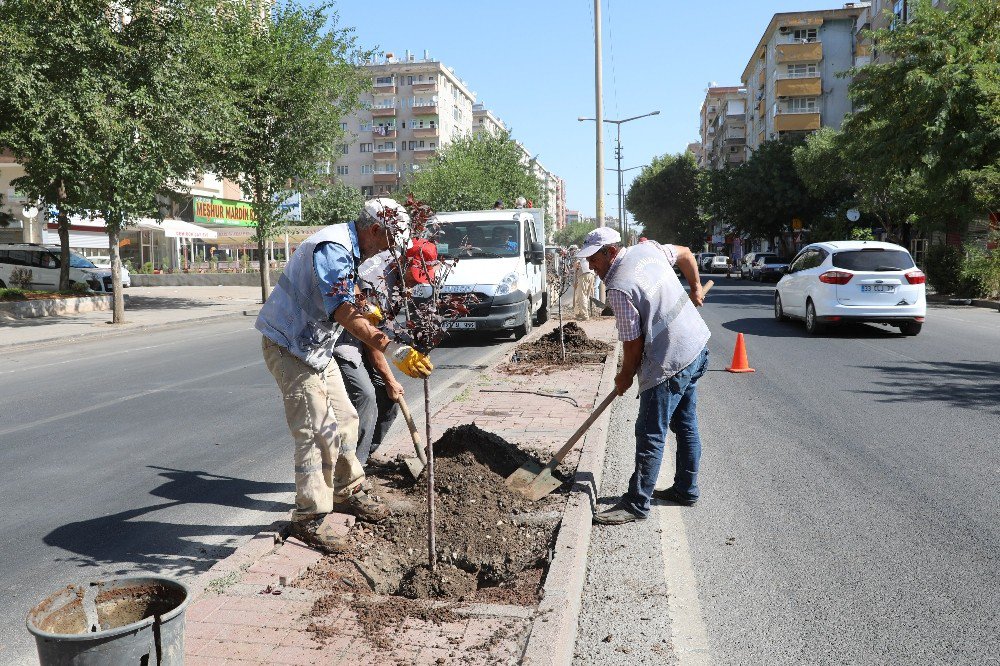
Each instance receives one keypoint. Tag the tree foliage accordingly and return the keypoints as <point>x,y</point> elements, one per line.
<point>289,77</point>
<point>928,121</point>
<point>473,172</point>
<point>665,198</point>
<point>331,203</point>
<point>573,234</point>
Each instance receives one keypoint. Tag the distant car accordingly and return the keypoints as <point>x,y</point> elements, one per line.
<point>703,259</point>
<point>104,261</point>
<point>768,267</point>
<point>746,262</point>
<point>718,264</point>
<point>845,281</point>
<point>43,262</point>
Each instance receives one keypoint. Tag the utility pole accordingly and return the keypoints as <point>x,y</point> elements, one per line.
<point>599,112</point>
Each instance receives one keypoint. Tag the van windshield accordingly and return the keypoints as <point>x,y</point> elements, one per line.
<point>479,240</point>
<point>80,261</point>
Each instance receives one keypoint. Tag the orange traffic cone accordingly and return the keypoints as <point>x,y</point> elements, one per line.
<point>740,363</point>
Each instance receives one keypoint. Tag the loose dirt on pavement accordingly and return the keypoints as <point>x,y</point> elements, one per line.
<point>493,545</point>
<point>544,355</point>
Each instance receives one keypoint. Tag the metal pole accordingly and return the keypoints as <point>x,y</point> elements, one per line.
<point>621,204</point>
<point>599,104</point>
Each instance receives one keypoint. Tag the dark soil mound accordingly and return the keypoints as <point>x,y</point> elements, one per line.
<point>546,349</point>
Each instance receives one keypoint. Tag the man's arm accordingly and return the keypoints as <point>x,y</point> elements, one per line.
<point>632,357</point>
<point>393,388</point>
<point>351,318</point>
<point>689,269</point>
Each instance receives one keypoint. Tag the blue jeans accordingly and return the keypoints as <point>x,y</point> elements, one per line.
<point>672,404</point>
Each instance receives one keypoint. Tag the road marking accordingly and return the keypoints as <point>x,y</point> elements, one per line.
<point>690,637</point>
<point>118,401</point>
<point>119,352</point>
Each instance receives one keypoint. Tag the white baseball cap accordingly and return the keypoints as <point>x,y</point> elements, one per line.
<point>597,239</point>
<point>375,206</point>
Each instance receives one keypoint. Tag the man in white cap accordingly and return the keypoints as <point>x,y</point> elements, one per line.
<point>313,302</point>
<point>664,341</point>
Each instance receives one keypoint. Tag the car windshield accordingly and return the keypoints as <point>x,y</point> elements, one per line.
<point>873,259</point>
<point>80,261</point>
<point>775,260</point>
<point>479,240</point>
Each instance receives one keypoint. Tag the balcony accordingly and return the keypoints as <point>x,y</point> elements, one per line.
<point>799,87</point>
<point>786,121</point>
<point>425,87</point>
<point>383,178</point>
<point>424,153</point>
<point>736,141</point>
<point>735,158</point>
<point>424,106</point>
<point>384,89</point>
<point>384,134</point>
<point>384,155</point>
<point>809,52</point>
<point>426,132</point>
<point>383,111</point>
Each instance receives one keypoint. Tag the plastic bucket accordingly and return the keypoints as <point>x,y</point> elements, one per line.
<point>123,621</point>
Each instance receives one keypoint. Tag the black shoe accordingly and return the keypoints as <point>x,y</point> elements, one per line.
<point>674,496</point>
<point>619,514</point>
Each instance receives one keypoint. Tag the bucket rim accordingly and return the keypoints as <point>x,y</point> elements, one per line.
<point>125,628</point>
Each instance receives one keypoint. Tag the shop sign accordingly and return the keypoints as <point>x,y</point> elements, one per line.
<point>228,212</point>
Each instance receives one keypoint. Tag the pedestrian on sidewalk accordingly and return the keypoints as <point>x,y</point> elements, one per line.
<point>664,341</point>
<point>583,287</point>
<point>301,321</point>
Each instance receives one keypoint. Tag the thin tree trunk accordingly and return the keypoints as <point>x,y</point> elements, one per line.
<point>562,331</point>
<point>63,238</point>
<point>118,309</point>
<point>265,268</point>
<point>431,547</point>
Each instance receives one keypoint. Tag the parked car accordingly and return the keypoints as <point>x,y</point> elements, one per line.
<point>746,262</point>
<point>703,259</point>
<point>845,281</point>
<point>768,267</point>
<point>43,262</point>
<point>718,264</point>
<point>104,261</point>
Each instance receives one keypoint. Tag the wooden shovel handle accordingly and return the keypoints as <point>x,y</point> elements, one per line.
<point>561,453</point>
<point>414,433</point>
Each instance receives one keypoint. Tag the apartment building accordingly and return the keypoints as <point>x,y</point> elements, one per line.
<point>791,78</point>
<point>723,127</point>
<point>483,120</point>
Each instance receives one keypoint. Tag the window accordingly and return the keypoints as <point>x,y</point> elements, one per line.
<point>342,170</point>
<point>433,145</point>
<point>413,144</point>
<point>366,126</point>
<point>383,81</point>
<point>344,148</point>
<point>366,147</point>
<point>804,35</point>
<point>343,127</point>
<point>367,190</point>
<point>420,144</point>
<point>801,70</point>
<point>403,124</point>
<point>801,105</point>
<point>409,80</point>
<point>367,168</point>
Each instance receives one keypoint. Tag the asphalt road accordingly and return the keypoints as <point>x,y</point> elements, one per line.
<point>147,452</point>
<point>850,511</point>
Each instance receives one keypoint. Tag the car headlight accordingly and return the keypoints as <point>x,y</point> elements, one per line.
<point>508,284</point>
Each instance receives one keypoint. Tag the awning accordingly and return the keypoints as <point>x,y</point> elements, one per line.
<point>176,228</point>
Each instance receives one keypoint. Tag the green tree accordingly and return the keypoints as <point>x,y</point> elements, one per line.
<point>573,234</point>
<point>928,121</point>
<point>473,172</point>
<point>289,79</point>
<point>330,204</point>
<point>665,198</point>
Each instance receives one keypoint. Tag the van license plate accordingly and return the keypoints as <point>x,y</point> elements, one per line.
<point>464,325</point>
<point>887,288</point>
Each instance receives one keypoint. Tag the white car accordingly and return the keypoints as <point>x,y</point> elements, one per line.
<point>853,281</point>
<point>104,261</point>
<point>718,264</point>
<point>43,262</point>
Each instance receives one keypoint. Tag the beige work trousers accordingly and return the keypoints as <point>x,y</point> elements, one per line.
<point>324,425</point>
<point>583,289</point>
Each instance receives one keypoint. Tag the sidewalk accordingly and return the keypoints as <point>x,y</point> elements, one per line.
<point>144,307</point>
<point>252,609</point>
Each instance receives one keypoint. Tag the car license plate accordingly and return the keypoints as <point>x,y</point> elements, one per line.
<point>464,325</point>
<point>887,288</point>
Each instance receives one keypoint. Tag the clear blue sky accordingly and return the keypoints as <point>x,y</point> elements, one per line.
<point>532,64</point>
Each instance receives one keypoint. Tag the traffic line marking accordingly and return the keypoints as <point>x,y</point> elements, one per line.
<point>690,636</point>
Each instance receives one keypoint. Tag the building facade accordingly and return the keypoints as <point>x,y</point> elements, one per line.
<point>792,81</point>
<point>722,127</point>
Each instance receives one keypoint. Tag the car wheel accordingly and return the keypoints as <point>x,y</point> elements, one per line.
<point>813,327</point>
<point>779,312</point>
<point>525,328</point>
<point>911,328</point>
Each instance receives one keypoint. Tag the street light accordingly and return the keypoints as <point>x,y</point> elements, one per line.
<point>618,155</point>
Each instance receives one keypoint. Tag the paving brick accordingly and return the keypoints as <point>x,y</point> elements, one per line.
<point>300,656</point>
<point>194,660</point>
<point>251,618</point>
<point>235,650</point>
<point>203,629</point>
<point>244,634</point>
<point>202,608</point>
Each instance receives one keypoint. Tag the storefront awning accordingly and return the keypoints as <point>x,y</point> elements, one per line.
<point>172,228</point>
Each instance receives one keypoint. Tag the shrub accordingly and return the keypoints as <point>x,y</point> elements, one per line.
<point>979,276</point>
<point>943,266</point>
<point>8,294</point>
<point>20,278</point>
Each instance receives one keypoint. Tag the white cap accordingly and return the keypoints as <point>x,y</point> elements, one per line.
<point>375,206</point>
<point>597,239</point>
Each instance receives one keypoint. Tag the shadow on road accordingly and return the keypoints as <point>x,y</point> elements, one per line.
<point>963,384</point>
<point>769,328</point>
<point>132,304</point>
<point>155,546</point>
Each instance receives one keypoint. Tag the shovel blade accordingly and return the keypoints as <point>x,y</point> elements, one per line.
<point>414,467</point>
<point>533,481</point>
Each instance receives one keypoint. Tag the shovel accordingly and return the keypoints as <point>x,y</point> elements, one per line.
<point>415,466</point>
<point>534,481</point>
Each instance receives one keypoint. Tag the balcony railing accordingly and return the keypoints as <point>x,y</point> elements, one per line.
<point>799,87</point>
<point>425,87</point>
<point>796,121</point>
<point>383,133</point>
<point>387,154</point>
<point>425,132</point>
<point>424,153</point>
<point>808,52</point>
<point>424,105</point>
<point>386,89</point>
<point>383,111</point>
<point>386,178</point>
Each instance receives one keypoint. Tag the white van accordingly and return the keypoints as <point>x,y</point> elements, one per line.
<point>501,260</point>
<point>43,262</point>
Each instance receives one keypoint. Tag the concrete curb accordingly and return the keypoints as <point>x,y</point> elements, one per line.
<point>45,307</point>
<point>552,640</point>
<point>974,302</point>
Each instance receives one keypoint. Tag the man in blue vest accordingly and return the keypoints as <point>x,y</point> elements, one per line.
<point>664,341</point>
<point>312,304</point>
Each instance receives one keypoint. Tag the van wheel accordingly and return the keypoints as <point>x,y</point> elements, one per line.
<point>525,328</point>
<point>543,312</point>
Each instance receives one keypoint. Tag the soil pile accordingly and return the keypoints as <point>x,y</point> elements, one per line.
<point>546,349</point>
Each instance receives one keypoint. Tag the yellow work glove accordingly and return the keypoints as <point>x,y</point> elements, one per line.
<point>372,313</point>
<point>412,363</point>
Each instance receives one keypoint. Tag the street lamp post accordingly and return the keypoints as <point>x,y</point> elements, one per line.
<point>618,154</point>
<point>622,213</point>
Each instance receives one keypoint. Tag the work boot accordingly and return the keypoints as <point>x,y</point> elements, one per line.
<point>674,496</point>
<point>312,532</point>
<point>619,514</point>
<point>364,507</point>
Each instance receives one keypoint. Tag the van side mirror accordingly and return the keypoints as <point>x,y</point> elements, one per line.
<point>536,253</point>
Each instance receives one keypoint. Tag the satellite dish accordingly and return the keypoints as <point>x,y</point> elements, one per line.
<point>854,215</point>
